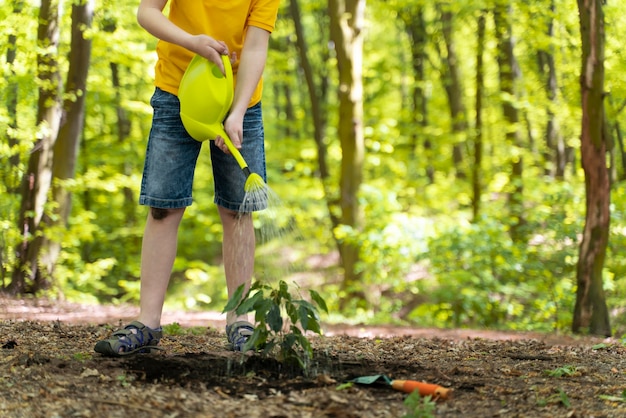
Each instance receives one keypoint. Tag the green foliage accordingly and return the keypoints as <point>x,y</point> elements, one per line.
<point>282,321</point>
<point>176,329</point>
<point>610,398</point>
<point>418,406</point>
<point>559,398</point>
<point>485,279</point>
<point>566,371</point>
<point>470,272</point>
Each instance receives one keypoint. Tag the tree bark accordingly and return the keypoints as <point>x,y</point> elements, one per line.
<point>454,90</point>
<point>346,18</point>
<point>509,75</point>
<point>317,94</point>
<point>591,312</point>
<point>11,179</point>
<point>36,182</point>
<point>478,138</point>
<point>555,155</point>
<point>123,130</point>
<point>67,144</point>
<point>415,26</point>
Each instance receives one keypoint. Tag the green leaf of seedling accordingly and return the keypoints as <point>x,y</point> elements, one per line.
<point>274,319</point>
<point>234,301</point>
<point>314,326</point>
<point>319,300</point>
<point>564,398</point>
<point>311,308</point>
<point>292,312</point>
<point>599,346</point>
<point>249,304</point>
<point>306,346</point>
<point>257,340</point>
<point>303,313</point>
<point>262,308</point>
<point>344,386</point>
<point>284,290</point>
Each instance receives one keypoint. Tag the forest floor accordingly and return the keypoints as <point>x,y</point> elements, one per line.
<point>48,369</point>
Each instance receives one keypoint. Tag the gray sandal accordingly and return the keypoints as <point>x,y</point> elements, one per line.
<point>134,338</point>
<point>238,334</point>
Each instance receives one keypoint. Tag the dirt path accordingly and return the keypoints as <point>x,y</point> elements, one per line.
<point>48,369</point>
<point>78,314</point>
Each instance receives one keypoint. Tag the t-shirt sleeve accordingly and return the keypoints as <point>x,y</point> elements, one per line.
<point>263,14</point>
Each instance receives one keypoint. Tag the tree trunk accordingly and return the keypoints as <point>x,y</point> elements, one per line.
<point>590,312</point>
<point>454,90</point>
<point>11,179</point>
<point>27,275</point>
<point>509,75</point>
<point>123,130</point>
<point>317,94</point>
<point>413,19</point>
<point>346,17</point>
<point>554,156</point>
<point>67,143</point>
<point>478,138</point>
<point>619,139</point>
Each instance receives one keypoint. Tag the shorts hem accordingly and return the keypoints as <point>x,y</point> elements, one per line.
<point>237,206</point>
<point>165,203</point>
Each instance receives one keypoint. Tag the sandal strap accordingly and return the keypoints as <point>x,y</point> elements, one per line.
<point>133,338</point>
<point>239,333</point>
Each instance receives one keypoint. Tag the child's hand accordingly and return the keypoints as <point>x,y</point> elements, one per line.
<point>233,125</point>
<point>209,48</point>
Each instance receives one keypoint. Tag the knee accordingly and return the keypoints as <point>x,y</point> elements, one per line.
<point>232,214</point>
<point>158,213</point>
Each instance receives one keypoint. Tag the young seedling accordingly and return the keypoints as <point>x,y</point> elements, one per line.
<point>562,371</point>
<point>272,306</point>
<point>419,406</point>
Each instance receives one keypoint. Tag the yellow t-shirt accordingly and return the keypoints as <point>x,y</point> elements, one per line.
<point>223,20</point>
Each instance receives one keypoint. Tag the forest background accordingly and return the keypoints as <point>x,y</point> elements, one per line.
<point>452,195</point>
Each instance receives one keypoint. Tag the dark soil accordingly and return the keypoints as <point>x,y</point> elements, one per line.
<point>48,369</point>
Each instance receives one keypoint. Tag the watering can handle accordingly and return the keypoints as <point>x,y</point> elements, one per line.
<point>235,152</point>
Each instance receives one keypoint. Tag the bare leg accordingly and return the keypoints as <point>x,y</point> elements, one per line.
<point>160,242</point>
<point>238,248</point>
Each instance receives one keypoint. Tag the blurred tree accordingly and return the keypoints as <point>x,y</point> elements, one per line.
<point>510,75</point>
<point>317,91</point>
<point>590,312</point>
<point>346,32</point>
<point>555,151</point>
<point>451,77</point>
<point>412,17</point>
<point>53,158</point>
<point>67,143</point>
<point>478,123</point>
<point>37,180</point>
<point>11,179</point>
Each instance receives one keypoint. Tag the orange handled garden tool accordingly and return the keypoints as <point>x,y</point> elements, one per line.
<point>407,386</point>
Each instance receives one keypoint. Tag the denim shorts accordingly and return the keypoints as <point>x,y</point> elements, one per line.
<point>171,157</point>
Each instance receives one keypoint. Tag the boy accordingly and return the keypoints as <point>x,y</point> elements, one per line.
<point>210,28</point>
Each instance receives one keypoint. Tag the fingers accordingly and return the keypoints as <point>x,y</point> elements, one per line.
<point>210,49</point>
<point>219,142</point>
